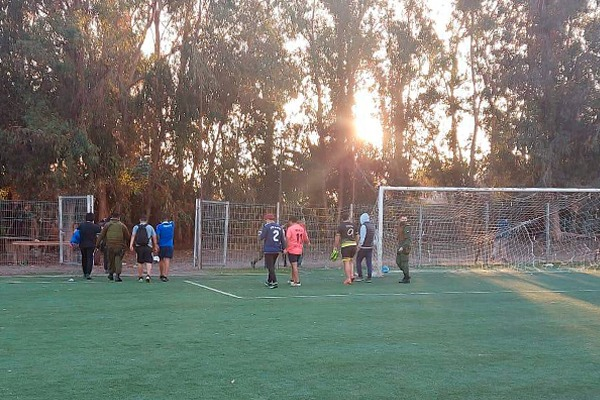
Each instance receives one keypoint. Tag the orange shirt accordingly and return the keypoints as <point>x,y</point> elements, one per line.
<point>296,236</point>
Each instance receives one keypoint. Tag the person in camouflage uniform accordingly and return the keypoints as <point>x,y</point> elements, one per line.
<point>115,236</point>
<point>404,243</point>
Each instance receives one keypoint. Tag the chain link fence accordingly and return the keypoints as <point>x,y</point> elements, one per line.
<point>38,232</point>
<point>227,233</point>
<point>28,221</point>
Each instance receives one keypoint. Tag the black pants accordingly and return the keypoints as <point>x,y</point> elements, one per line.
<point>270,260</point>
<point>87,260</point>
<point>366,254</point>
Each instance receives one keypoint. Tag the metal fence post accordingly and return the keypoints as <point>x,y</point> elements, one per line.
<point>226,235</point>
<point>548,235</point>
<point>380,227</point>
<point>61,231</point>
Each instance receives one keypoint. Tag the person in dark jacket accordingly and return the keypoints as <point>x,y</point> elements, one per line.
<point>88,232</point>
<point>274,243</point>
<point>365,247</point>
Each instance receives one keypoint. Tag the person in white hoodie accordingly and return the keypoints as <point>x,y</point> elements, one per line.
<point>365,247</point>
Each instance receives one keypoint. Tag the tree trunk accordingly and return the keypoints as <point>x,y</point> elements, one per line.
<point>102,196</point>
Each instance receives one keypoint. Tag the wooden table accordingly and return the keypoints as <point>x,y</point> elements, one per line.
<point>22,248</point>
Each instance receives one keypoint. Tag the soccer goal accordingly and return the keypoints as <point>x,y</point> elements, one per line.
<point>508,227</point>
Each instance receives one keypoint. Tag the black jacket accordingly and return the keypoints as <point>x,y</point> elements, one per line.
<point>87,234</point>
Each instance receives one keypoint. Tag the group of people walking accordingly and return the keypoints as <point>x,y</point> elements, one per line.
<point>151,245</point>
<point>350,241</point>
<point>113,239</point>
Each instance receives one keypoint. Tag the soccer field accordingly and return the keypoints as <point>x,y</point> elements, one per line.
<point>447,335</point>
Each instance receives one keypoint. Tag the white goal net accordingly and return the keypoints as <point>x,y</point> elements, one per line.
<point>519,228</point>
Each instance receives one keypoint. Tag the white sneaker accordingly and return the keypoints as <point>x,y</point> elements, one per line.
<point>295,284</point>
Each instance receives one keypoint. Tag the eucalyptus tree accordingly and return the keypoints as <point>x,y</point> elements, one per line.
<point>411,81</point>
<point>73,63</point>
<point>543,93</point>
<point>338,39</point>
<point>469,28</point>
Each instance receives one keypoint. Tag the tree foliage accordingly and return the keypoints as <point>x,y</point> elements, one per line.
<point>157,102</point>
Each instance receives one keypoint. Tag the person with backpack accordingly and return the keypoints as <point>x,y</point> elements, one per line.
<point>143,241</point>
<point>365,247</point>
<point>75,237</point>
<point>114,237</point>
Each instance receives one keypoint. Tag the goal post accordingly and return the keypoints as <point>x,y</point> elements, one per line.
<point>509,227</point>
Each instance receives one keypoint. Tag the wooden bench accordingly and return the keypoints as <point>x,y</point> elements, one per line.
<point>21,249</point>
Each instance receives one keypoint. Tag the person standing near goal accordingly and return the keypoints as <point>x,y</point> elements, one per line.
<point>365,247</point>
<point>295,237</point>
<point>404,242</point>
<point>346,238</point>
<point>499,245</point>
<point>274,242</point>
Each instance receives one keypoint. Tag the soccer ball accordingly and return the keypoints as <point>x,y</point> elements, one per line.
<point>156,258</point>
<point>385,269</point>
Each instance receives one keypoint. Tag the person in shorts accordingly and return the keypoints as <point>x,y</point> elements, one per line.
<point>143,241</point>
<point>165,231</point>
<point>296,237</point>
<point>346,238</point>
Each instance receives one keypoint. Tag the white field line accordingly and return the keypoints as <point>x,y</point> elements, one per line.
<point>214,290</point>
<point>449,293</point>
<point>465,293</point>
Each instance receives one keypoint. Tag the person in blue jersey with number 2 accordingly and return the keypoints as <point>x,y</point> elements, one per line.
<point>274,243</point>
<point>165,231</point>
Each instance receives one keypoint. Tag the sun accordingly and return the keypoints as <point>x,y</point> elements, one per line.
<point>366,120</point>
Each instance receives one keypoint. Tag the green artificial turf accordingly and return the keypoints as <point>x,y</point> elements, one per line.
<point>463,335</point>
